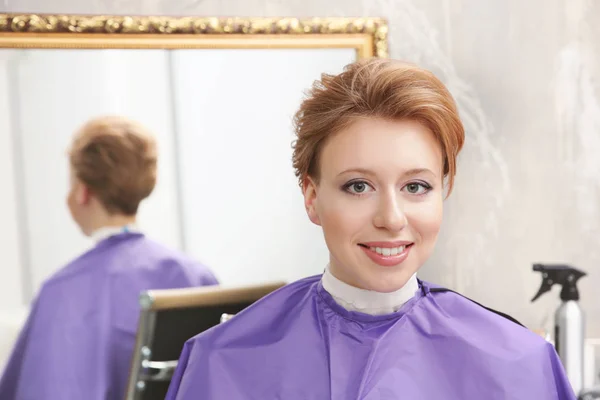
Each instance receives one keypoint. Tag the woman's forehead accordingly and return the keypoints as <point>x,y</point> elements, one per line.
<point>381,146</point>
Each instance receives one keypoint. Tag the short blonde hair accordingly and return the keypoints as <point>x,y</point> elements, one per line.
<point>378,88</point>
<point>116,158</point>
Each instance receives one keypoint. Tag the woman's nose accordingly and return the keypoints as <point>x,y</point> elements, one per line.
<point>390,214</point>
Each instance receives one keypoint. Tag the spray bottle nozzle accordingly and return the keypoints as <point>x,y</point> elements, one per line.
<point>563,275</point>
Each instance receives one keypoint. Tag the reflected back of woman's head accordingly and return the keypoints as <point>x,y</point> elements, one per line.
<point>376,88</point>
<point>116,159</point>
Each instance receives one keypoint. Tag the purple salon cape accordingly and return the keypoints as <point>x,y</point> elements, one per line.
<point>298,343</point>
<point>78,341</point>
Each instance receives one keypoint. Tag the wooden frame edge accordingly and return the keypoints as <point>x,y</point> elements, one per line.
<point>369,36</point>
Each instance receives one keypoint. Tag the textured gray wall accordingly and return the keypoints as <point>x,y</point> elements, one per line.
<point>525,74</point>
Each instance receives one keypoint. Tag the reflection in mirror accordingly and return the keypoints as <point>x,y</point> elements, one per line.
<point>226,192</point>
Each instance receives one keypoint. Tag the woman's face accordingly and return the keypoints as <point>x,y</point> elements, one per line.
<point>379,200</point>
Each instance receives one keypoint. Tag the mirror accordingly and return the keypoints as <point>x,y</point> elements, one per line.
<point>218,93</point>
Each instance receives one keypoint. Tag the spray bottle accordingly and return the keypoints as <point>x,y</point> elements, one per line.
<point>569,321</point>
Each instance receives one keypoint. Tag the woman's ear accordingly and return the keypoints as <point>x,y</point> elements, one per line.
<point>83,195</point>
<point>309,190</point>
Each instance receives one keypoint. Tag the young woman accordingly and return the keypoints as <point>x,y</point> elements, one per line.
<point>376,150</point>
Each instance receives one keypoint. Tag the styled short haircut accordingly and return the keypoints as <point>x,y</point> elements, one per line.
<point>116,159</point>
<point>377,88</point>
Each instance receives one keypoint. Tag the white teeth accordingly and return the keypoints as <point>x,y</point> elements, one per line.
<point>388,251</point>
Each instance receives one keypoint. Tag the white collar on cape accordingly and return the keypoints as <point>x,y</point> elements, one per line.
<point>107,231</point>
<point>368,301</point>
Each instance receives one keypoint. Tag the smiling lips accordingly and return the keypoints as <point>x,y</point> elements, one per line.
<point>387,254</point>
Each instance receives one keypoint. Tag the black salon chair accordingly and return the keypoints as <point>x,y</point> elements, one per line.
<point>168,319</point>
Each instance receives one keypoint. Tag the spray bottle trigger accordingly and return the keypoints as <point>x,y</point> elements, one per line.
<point>546,286</point>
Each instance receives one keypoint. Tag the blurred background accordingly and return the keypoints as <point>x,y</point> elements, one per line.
<point>525,75</point>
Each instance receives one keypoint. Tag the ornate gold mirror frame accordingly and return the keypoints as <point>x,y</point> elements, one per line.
<point>367,35</point>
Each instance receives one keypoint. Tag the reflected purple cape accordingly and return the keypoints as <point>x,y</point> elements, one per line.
<point>78,340</point>
<point>297,343</point>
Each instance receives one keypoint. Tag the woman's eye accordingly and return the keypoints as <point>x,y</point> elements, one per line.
<point>358,187</point>
<point>417,188</point>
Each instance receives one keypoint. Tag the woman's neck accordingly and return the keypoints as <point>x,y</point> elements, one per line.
<point>107,231</point>
<point>100,220</point>
<point>368,301</point>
